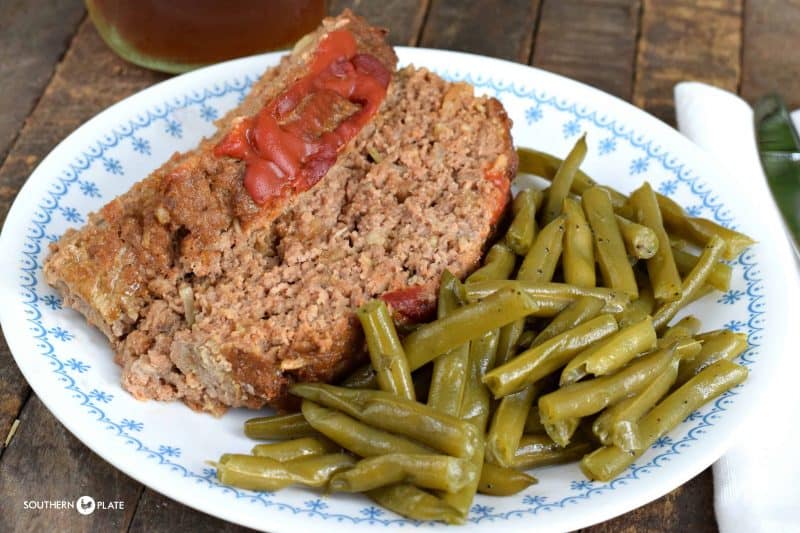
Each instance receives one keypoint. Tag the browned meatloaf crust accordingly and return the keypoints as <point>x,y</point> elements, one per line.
<point>274,290</point>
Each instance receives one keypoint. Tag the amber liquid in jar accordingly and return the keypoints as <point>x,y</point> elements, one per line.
<point>179,35</point>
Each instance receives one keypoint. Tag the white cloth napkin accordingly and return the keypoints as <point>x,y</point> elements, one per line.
<point>757,482</point>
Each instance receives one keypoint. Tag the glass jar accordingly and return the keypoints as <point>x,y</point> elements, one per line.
<point>180,35</point>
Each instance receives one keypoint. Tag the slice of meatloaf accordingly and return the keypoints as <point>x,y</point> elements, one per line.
<point>178,221</point>
<point>210,298</point>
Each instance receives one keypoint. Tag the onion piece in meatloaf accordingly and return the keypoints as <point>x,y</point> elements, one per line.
<point>211,298</point>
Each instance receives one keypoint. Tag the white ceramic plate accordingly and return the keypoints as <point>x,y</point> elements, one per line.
<point>165,445</point>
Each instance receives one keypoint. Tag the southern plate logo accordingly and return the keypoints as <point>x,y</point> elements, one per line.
<point>85,505</point>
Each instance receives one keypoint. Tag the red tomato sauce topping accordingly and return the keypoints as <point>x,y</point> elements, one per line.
<point>410,303</point>
<point>283,149</point>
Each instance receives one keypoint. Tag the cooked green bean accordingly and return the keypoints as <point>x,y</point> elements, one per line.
<point>585,398</point>
<point>508,341</point>
<point>578,254</point>
<point>480,355</point>
<point>508,424</point>
<point>692,229</point>
<point>702,291</point>
<point>735,242</point>
<point>687,326</point>
<point>547,306</point>
<point>664,277</point>
<point>562,181</point>
<point>716,345</point>
<point>609,247</point>
<point>576,313</point>
<point>294,449</point>
<point>349,401</point>
<point>449,377</point>
<point>640,241</point>
<point>612,353</point>
<point>700,231</point>
<point>475,410</point>
<point>678,243</point>
<point>692,283</point>
<point>413,502</point>
<point>476,403</point>
<point>449,369</point>
<point>609,461</point>
<point>385,411</point>
<point>539,361</point>
<point>461,500</point>
<point>552,298</point>
<point>696,230</point>
<point>362,378</point>
<point>686,348</point>
<point>542,258</point>
<point>483,352</point>
<point>501,481</point>
<point>561,431</point>
<point>278,427</point>
<point>449,294</point>
<point>539,265</point>
<point>533,424</point>
<point>263,473</point>
<point>540,450</point>
<point>719,277</point>
<point>498,264</point>
<point>437,472</point>
<point>615,425</point>
<point>385,349</point>
<point>522,230</point>
<point>510,333</point>
<point>466,323</point>
<point>723,340</point>
<point>640,308</point>
<point>434,429</point>
<point>546,165</point>
<point>682,335</point>
<point>355,436</point>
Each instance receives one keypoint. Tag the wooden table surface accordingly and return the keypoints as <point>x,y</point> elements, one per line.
<point>55,73</point>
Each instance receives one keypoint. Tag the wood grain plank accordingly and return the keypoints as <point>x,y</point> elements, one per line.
<point>157,513</point>
<point>33,36</point>
<point>14,391</point>
<point>690,507</point>
<point>403,18</point>
<point>770,60</point>
<point>497,29</point>
<point>593,42</point>
<point>686,40</point>
<point>45,462</point>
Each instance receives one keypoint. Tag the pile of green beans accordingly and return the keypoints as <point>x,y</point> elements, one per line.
<point>559,348</point>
